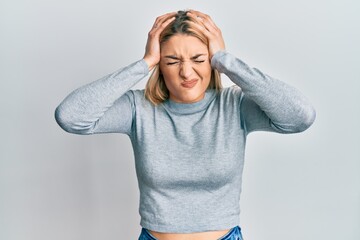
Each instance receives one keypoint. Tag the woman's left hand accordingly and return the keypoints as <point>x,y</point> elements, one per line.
<point>207,26</point>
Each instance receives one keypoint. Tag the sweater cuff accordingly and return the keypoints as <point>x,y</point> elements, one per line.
<point>216,60</point>
<point>144,66</point>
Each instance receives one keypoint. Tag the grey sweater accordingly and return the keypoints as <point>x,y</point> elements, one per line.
<point>189,158</point>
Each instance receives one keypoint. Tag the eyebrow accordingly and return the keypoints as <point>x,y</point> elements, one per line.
<point>176,58</point>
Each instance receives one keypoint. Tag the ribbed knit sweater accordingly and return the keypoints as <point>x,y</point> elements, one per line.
<point>189,157</point>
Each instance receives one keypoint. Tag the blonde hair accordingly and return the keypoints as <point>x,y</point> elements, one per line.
<point>156,90</point>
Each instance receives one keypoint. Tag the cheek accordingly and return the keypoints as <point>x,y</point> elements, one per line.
<point>205,72</point>
<point>169,76</point>
<point>166,71</point>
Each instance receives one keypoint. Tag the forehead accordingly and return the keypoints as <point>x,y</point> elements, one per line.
<point>183,45</point>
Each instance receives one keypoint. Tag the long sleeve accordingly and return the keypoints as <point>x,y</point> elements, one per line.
<point>102,106</point>
<point>267,103</point>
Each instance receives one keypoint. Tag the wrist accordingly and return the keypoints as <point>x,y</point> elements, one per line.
<point>149,62</point>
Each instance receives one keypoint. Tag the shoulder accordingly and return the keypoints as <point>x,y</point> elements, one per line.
<point>229,98</point>
<point>138,98</point>
<point>136,93</point>
<point>231,93</point>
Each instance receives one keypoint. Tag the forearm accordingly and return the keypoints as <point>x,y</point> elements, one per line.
<point>288,109</point>
<point>82,108</point>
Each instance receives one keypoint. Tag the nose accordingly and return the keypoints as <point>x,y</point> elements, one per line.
<point>186,70</point>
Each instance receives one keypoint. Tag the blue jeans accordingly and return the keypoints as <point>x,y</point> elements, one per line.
<point>233,234</point>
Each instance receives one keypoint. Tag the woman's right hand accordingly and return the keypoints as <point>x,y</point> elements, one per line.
<point>152,50</point>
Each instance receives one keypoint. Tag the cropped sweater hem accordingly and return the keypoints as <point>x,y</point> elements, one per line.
<point>224,223</point>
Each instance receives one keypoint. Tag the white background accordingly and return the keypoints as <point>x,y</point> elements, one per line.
<point>56,185</point>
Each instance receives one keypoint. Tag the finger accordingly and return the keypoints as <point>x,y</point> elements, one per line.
<point>159,20</point>
<point>204,17</point>
<point>210,27</point>
<point>159,28</point>
<point>198,13</point>
<point>195,19</point>
<point>201,28</point>
<point>207,24</point>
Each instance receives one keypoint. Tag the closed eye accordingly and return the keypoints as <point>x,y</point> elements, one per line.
<point>172,63</point>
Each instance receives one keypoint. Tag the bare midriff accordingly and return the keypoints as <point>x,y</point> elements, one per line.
<point>211,235</point>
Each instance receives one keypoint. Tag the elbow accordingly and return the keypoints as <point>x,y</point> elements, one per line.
<point>62,120</point>
<point>301,121</point>
<point>305,119</point>
<point>65,121</point>
<point>308,118</point>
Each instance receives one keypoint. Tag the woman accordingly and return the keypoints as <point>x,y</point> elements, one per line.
<point>188,133</point>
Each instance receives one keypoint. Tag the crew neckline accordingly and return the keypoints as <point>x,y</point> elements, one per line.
<point>189,108</point>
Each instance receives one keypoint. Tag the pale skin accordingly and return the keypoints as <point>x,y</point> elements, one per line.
<point>183,59</point>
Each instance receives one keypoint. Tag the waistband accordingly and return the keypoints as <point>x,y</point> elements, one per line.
<point>234,230</point>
